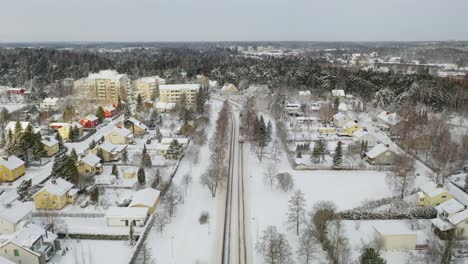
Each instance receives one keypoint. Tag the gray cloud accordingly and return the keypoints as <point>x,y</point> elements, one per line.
<point>213,20</point>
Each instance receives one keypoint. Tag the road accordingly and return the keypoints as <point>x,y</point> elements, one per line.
<point>237,246</point>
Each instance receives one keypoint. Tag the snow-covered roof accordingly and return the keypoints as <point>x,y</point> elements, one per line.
<point>108,108</point>
<point>50,100</point>
<point>450,207</point>
<point>12,124</point>
<point>163,105</point>
<point>146,197</point>
<point>458,217</point>
<point>110,148</point>
<point>127,212</point>
<point>16,211</point>
<point>458,193</point>
<point>186,86</point>
<point>106,74</point>
<point>442,225</point>
<point>393,228</point>
<point>50,141</point>
<point>376,151</point>
<point>389,118</point>
<point>27,236</point>
<point>343,107</point>
<point>91,117</point>
<point>91,159</point>
<point>168,140</point>
<point>349,124</point>
<point>153,79</point>
<point>122,131</point>
<point>339,116</point>
<point>360,133</point>
<point>229,87</point>
<point>12,162</point>
<point>307,118</point>
<point>431,189</point>
<point>73,191</point>
<point>137,123</point>
<point>304,93</point>
<point>104,179</point>
<point>338,93</point>
<point>56,186</point>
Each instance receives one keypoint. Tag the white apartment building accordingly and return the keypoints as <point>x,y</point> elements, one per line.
<point>147,86</point>
<point>105,86</point>
<point>171,93</point>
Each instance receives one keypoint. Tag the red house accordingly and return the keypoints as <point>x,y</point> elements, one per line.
<point>16,91</point>
<point>89,121</point>
<point>110,111</point>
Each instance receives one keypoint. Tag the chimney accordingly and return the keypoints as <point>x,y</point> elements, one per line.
<point>5,158</point>
<point>54,181</point>
<point>388,113</point>
<point>387,145</point>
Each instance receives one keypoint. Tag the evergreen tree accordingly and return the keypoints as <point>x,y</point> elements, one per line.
<point>38,150</point>
<point>127,112</point>
<point>75,133</point>
<point>371,256</point>
<point>119,104</point>
<point>100,114</point>
<point>58,137</point>
<point>141,176</point>
<point>336,103</point>
<point>466,183</point>
<point>3,141</point>
<point>124,156</point>
<point>70,171</point>
<point>23,190</point>
<point>157,180</point>
<point>73,155</point>
<point>5,116</point>
<point>146,161</point>
<point>115,170</point>
<point>158,135</point>
<point>18,128</point>
<point>94,194</point>
<point>139,102</point>
<point>68,113</point>
<point>174,150</point>
<point>298,154</point>
<point>92,144</point>
<point>338,155</point>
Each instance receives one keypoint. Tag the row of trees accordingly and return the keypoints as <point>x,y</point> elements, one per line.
<point>25,144</point>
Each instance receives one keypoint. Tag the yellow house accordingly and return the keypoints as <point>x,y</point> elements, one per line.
<point>327,130</point>
<point>119,136</point>
<point>395,235</point>
<point>109,151</point>
<point>64,129</point>
<point>432,195</point>
<point>51,146</point>
<point>351,127</point>
<point>11,168</point>
<point>136,126</point>
<point>147,197</point>
<point>54,195</point>
<point>89,164</point>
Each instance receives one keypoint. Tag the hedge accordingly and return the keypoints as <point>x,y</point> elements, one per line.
<point>416,213</point>
<point>97,236</point>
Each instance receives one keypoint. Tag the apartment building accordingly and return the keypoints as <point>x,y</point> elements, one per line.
<point>147,86</point>
<point>105,86</point>
<point>171,93</point>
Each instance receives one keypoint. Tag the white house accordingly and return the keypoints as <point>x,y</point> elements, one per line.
<point>452,215</point>
<point>229,88</point>
<point>293,108</point>
<point>338,93</point>
<point>147,198</point>
<point>124,216</point>
<point>14,216</point>
<point>387,119</point>
<point>340,119</point>
<point>49,103</point>
<point>363,136</point>
<point>381,155</point>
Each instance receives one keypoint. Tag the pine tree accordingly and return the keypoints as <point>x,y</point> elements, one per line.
<point>141,176</point>
<point>371,256</point>
<point>94,194</point>
<point>124,156</point>
<point>174,150</point>
<point>73,155</point>
<point>100,114</point>
<point>3,141</point>
<point>18,128</point>
<point>139,102</point>
<point>336,103</point>
<point>130,234</point>
<point>297,209</point>
<point>38,150</point>
<point>115,171</point>
<point>75,133</point>
<point>127,112</point>
<point>92,144</point>
<point>23,190</point>
<point>466,183</point>
<point>338,155</point>
<point>158,135</point>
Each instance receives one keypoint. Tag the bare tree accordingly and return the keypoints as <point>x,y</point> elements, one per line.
<point>307,247</point>
<point>296,211</point>
<point>323,212</point>
<point>145,256</point>
<point>269,174</point>
<point>285,181</point>
<point>161,219</point>
<point>338,249</point>
<point>401,178</point>
<point>274,247</point>
<point>171,199</point>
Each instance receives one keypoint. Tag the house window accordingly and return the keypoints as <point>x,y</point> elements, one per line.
<point>53,202</point>
<point>46,195</point>
<point>422,199</point>
<point>444,196</point>
<point>16,252</point>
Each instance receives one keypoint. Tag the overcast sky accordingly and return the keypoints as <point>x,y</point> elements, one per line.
<point>224,20</point>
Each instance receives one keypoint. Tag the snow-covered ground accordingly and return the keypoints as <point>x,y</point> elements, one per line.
<point>185,240</point>
<point>93,252</point>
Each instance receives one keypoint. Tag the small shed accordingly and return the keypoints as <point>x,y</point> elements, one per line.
<point>124,216</point>
<point>395,235</point>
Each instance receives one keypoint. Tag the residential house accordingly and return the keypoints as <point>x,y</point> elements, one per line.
<point>340,119</point>
<point>432,194</point>
<point>381,155</point>
<point>452,215</point>
<point>65,129</point>
<point>229,88</point>
<point>30,245</point>
<point>293,109</point>
<point>110,111</point>
<point>147,86</point>
<point>124,216</point>
<point>171,93</point>
<point>136,126</point>
<point>147,197</point>
<point>14,216</point>
<point>350,127</point>
<point>387,119</point>
<point>130,172</point>
<point>104,87</point>
<point>109,151</point>
<point>11,168</point>
<point>362,136</point>
<point>327,130</point>
<point>338,93</point>
<point>51,146</point>
<point>49,103</point>
<point>120,136</point>
<point>304,93</point>
<point>89,121</point>
<point>181,141</point>
<point>162,107</point>
<point>104,179</point>
<point>395,235</point>
<point>54,195</point>
<point>89,164</point>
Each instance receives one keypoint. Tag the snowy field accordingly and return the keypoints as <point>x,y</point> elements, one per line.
<point>185,240</point>
<point>93,252</point>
